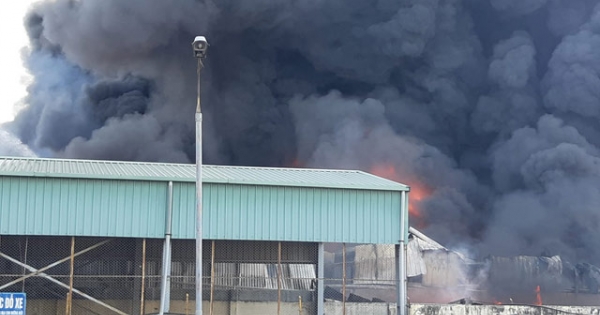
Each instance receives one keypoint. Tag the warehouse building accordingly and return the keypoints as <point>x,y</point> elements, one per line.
<point>106,237</point>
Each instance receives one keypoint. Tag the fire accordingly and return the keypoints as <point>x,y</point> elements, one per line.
<point>496,302</point>
<point>418,191</point>
<point>295,163</point>
<point>417,194</point>
<point>538,296</point>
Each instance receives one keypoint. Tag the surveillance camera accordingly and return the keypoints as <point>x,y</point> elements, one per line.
<point>200,46</point>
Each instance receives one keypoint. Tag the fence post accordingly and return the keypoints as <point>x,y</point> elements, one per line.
<point>71,274</point>
<point>212,276</point>
<point>25,261</point>
<point>187,304</point>
<point>278,278</point>
<point>143,289</point>
<point>343,278</point>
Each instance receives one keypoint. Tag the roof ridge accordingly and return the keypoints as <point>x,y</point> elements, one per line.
<point>229,174</point>
<point>178,164</point>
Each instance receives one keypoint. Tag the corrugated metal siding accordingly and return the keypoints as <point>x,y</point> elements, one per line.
<point>415,265</point>
<point>17,166</point>
<point>424,242</point>
<point>59,206</point>
<point>302,177</point>
<point>39,203</point>
<point>184,209</point>
<point>288,214</point>
<point>82,207</point>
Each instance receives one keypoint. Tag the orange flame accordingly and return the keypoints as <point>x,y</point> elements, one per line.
<point>496,302</point>
<point>538,296</point>
<point>295,163</point>
<point>418,191</point>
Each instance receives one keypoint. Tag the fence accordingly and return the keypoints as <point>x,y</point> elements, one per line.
<point>84,275</point>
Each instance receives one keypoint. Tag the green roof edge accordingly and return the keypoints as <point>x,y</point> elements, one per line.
<point>386,185</point>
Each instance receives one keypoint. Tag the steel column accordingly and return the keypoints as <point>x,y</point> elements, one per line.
<point>401,257</point>
<point>320,281</point>
<point>165,287</point>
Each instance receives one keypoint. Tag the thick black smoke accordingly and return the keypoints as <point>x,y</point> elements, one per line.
<point>492,106</point>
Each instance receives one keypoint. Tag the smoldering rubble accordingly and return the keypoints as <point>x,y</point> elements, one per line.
<point>439,275</point>
<point>490,105</point>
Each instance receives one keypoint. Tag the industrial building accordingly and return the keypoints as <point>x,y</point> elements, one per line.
<point>106,237</point>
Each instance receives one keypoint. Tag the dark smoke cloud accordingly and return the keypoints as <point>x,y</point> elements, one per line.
<point>116,99</point>
<point>512,103</point>
<point>565,17</point>
<point>550,175</point>
<point>518,7</point>
<point>492,106</point>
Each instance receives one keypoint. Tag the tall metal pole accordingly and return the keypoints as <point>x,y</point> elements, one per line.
<point>199,197</point>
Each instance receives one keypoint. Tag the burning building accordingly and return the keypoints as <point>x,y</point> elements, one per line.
<point>524,279</point>
<point>437,274</point>
<point>488,109</point>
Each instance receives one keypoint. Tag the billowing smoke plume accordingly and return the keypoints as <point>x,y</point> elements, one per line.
<point>11,146</point>
<point>491,106</point>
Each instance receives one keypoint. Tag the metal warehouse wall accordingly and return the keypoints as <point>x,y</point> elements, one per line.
<point>127,208</point>
<point>249,212</point>
<point>82,207</point>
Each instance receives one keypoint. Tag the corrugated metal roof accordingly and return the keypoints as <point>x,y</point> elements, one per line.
<point>415,265</point>
<point>424,242</point>
<point>92,169</point>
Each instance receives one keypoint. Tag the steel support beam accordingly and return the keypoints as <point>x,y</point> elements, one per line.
<point>401,289</point>
<point>41,274</point>
<point>58,262</point>
<point>165,285</point>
